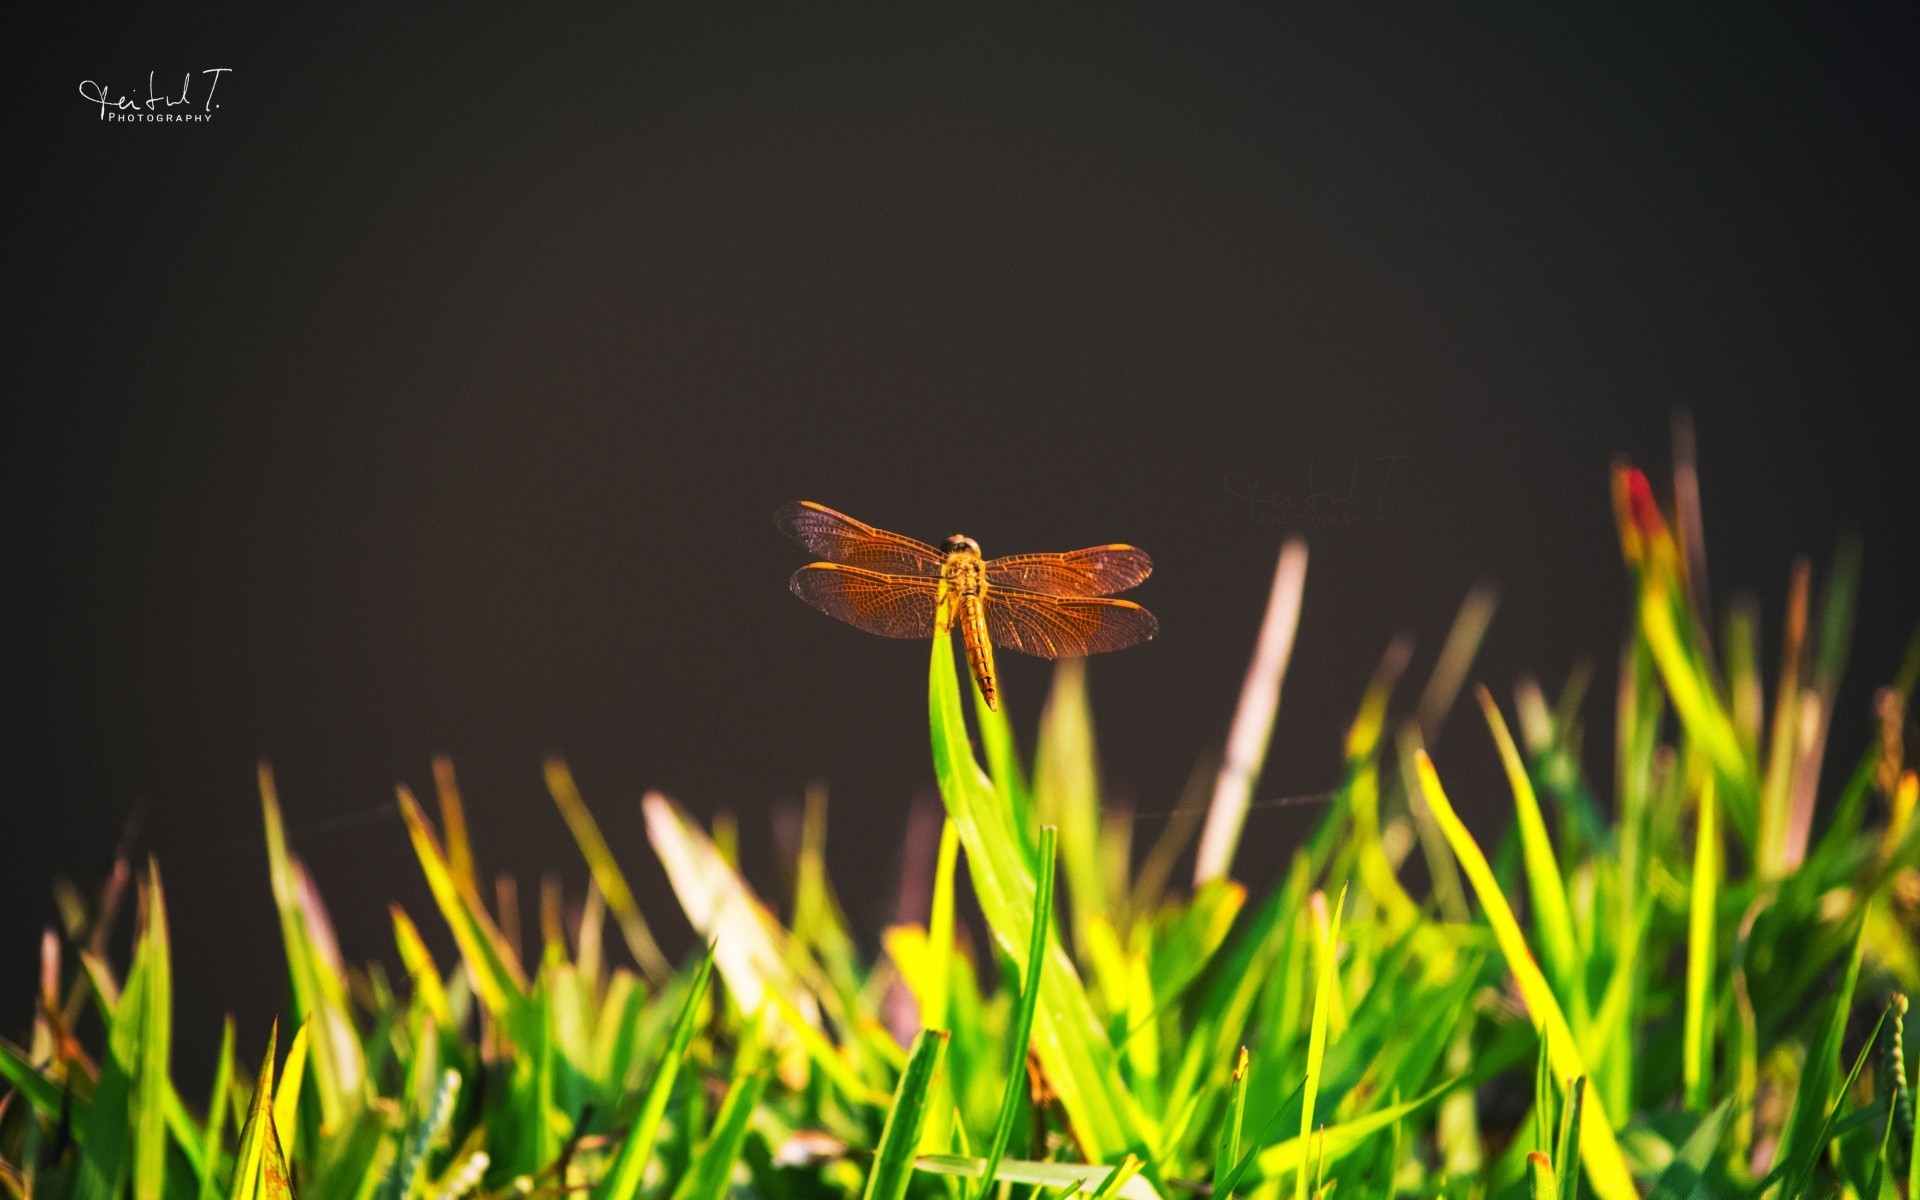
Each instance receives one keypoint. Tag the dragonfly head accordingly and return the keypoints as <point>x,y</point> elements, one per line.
<point>959,544</point>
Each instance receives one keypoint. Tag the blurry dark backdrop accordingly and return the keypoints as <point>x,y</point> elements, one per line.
<point>434,397</point>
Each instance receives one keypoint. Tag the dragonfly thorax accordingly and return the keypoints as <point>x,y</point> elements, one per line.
<point>964,571</point>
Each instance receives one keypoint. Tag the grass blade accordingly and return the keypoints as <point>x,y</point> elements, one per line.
<point>1317,1032</point>
<point>713,1163</point>
<point>622,1180</point>
<point>606,873</point>
<point>1704,898</point>
<point>1253,717</point>
<point>1023,1013</point>
<point>154,1029</point>
<point>217,1113</point>
<point>1606,1167</point>
<point>900,1139</point>
<point>1228,1154</point>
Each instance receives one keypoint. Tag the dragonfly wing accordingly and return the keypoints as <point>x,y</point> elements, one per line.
<point>896,606</point>
<point>839,538</point>
<point>1095,571</point>
<point>1065,626</point>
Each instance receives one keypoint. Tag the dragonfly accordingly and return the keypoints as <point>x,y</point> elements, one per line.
<point>1047,605</point>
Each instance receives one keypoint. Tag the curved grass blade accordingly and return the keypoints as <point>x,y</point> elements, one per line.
<point>622,1181</point>
<point>893,1161</point>
<point>1068,1037</point>
<point>1606,1166</point>
<point>606,873</point>
<point>713,1162</point>
<point>1023,1014</point>
<point>1317,1030</point>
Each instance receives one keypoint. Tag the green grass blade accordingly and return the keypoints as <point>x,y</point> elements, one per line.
<point>1227,1156</point>
<point>900,1138</point>
<point>1079,1060</point>
<point>1704,899</point>
<point>1566,1148</point>
<point>1606,1166</point>
<point>713,1162</point>
<point>1117,1178</point>
<point>1028,1003</point>
<point>496,975</point>
<point>1546,887</point>
<point>1684,1175</point>
<point>1800,1145</point>
<point>1327,974</point>
<point>215,1131</point>
<point>606,872</point>
<point>622,1180</point>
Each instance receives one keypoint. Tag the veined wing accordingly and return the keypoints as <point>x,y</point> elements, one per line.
<point>896,606</point>
<point>839,538</point>
<point>1065,626</point>
<point>1095,571</point>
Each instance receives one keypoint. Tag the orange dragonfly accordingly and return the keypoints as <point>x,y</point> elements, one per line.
<point>1049,605</point>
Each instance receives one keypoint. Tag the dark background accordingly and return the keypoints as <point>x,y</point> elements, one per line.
<point>435,396</point>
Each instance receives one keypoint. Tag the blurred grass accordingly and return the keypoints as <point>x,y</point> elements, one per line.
<point>1696,995</point>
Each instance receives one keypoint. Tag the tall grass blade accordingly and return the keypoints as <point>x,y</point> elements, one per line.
<point>713,1163</point>
<point>606,873</point>
<point>1323,994</point>
<point>1074,1052</point>
<point>1253,717</point>
<point>1028,1003</point>
<point>1704,898</point>
<point>622,1180</point>
<point>900,1138</point>
<point>1606,1167</point>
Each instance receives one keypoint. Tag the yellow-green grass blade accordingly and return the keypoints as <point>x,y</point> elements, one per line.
<point>1541,1184</point>
<point>286,1098</point>
<point>1068,1178</point>
<point>1327,975</point>
<point>415,957</point>
<point>1074,1050</point>
<point>215,1132</point>
<point>1606,1166</point>
<point>319,990</point>
<point>606,871</point>
<point>453,819</point>
<point>259,1167</point>
<point>900,1138</point>
<point>1692,691</point>
<point>1025,1007</point>
<point>1117,1178</point>
<point>1553,920</point>
<point>1704,897</point>
<point>622,1180</point>
<point>1066,792</point>
<point>496,975</point>
<point>713,1163</point>
<point>154,1030</point>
